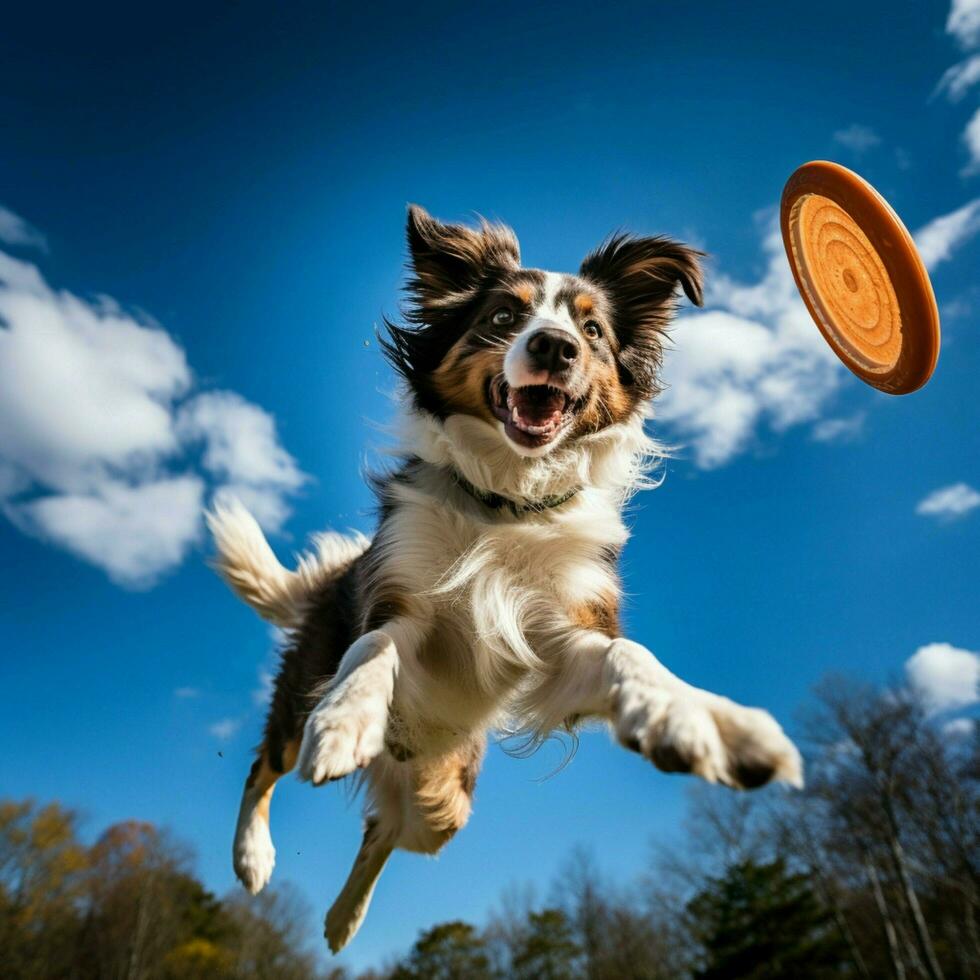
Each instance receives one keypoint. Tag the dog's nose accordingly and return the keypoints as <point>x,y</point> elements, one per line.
<point>552,350</point>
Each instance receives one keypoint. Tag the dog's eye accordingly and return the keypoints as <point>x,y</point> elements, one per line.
<point>503,317</point>
<point>592,329</point>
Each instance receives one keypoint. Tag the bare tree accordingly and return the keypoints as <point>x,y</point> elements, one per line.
<point>885,778</point>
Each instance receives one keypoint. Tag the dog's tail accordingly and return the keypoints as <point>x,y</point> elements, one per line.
<point>348,911</point>
<point>246,562</point>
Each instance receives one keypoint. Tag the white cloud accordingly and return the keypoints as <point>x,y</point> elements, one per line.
<point>958,728</point>
<point>857,138</point>
<point>133,532</point>
<point>971,137</point>
<point>14,230</point>
<point>938,239</point>
<point>225,729</point>
<point>262,694</point>
<point>753,357</point>
<point>242,450</point>
<point>947,677</point>
<point>950,502</point>
<point>83,388</point>
<point>839,430</point>
<point>964,22</point>
<point>186,693</point>
<point>958,79</point>
<point>100,427</point>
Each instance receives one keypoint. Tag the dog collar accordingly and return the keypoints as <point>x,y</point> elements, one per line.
<point>496,501</point>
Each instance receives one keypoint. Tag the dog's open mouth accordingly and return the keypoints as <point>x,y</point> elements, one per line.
<point>533,416</point>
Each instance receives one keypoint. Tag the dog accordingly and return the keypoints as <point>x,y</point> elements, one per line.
<point>488,598</point>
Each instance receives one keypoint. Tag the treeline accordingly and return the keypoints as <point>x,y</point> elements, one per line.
<point>872,872</point>
<point>129,906</point>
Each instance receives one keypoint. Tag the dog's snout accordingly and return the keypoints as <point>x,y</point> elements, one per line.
<point>552,350</point>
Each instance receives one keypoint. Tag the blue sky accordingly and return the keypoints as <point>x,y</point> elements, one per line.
<point>202,223</point>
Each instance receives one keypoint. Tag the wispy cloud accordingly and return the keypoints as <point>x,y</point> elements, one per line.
<point>186,693</point>
<point>971,137</point>
<point>225,729</point>
<point>262,694</point>
<point>106,450</point>
<point>939,239</point>
<point>14,230</point>
<point>845,429</point>
<point>857,138</point>
<point>753,358</point>
<point>958,79</point>
<point>947,677</point>
<point>949,502</point>
<point>964,22</point>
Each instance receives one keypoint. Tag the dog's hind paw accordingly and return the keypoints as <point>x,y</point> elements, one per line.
<point>254,855</point>
<point>711,736</point>
<point>342,736</point>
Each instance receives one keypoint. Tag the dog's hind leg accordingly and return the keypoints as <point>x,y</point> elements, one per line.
<point>253,854</point>
<point>351,905</point>
<point>443,797</point>
<point>415,806</point>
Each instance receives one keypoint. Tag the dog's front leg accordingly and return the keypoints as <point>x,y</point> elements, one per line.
<point>678,727</point>
<point>346,730</point>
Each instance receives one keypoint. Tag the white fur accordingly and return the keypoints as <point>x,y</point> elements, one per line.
<point>549,310</point>
<point>346,731</point>
<point>615,461</point>
<point>246,562</point>
<point>518,369</point>
<point>657,711</point>
<point>253,854</point>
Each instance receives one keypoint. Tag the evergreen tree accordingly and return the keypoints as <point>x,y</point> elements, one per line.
<point>547,950</point>
<point>449,951</point>
<point>761,922</point>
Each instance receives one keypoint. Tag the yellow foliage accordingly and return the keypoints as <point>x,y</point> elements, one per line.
<point>198,959</point>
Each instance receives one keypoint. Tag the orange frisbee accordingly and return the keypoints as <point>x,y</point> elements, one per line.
<point>859,273</point>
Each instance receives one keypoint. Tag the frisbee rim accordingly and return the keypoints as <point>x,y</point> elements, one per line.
<point>903,265</point>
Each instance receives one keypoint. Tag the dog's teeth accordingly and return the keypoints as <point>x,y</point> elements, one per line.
<point>515,416</point>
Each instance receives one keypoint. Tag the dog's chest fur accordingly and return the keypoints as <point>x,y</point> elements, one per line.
<point>494,589</point>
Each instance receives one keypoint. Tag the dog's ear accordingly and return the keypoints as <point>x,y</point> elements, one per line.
<point>449,262</point>
<point>642,274</point>
<point>641,277</point>
<point>448,265</point>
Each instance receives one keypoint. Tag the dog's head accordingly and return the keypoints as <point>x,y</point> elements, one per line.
<point>544,357</point>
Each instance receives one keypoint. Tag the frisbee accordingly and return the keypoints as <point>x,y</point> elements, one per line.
<point>860,276</point>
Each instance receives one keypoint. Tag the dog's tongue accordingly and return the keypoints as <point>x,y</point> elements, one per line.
<point>537,404</point>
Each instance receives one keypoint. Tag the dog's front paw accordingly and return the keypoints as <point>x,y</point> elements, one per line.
<point>757,747</point>
<point>341,736</point>
<point>693,731</point>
